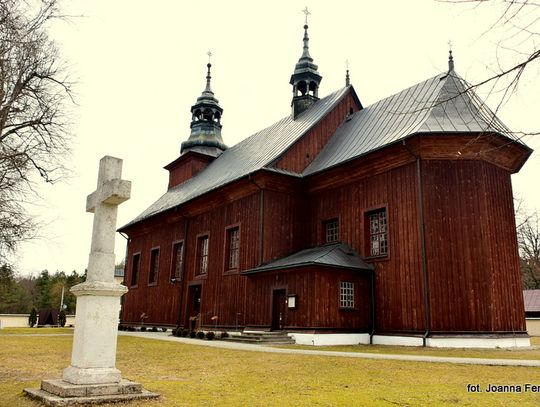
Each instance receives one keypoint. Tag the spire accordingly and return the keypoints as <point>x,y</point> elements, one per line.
<point>305,78</point>
<point>208,75</point>
<point>347,78</point>
<point>450,57</point>
<point>205,125</point>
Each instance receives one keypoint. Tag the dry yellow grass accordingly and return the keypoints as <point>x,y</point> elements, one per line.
<point>188,375</point>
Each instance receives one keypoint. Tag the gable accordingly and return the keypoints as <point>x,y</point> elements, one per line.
<point>304,150</point>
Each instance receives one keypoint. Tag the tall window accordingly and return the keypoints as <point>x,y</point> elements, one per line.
<point>135,266</point>
<point>331,230</point>
<point>346,294</point>
<point>378,232</point>
<point>202,246</point>
<point>233,248</point>
<point>177,264</point>
<point>154,266</point>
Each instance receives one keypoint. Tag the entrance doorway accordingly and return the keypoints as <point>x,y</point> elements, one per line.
<point>278,309</point>
<point>194,307</point>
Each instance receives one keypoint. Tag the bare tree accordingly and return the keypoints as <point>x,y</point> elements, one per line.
<point>528,234</point>
<point>34,92</point>
<point>517,32</point>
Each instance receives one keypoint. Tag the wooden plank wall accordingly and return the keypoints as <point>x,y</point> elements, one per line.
<point>473,264</point>
<point>159,302</point>
<point>398,279</point>
<point>317,290</point>
<point>304,151</point>
<point>223,294</point>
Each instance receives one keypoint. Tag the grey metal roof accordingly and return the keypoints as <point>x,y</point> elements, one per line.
<point>338,255</point>
<point>248,156</point>
<point>442,104</point>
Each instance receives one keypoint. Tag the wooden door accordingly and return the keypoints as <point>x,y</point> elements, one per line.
<point>278,309</point>
<point>194,306</point>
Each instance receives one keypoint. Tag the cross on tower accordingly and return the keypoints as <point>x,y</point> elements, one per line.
<point>306,12</point>
<point>450,45</point>
<point>209,53</point>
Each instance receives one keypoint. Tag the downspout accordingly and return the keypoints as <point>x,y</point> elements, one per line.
<point>184,255</point>
<point>125,273</point>
<point>261,220</point>
<point>421,226</point>
<point>372,278</point>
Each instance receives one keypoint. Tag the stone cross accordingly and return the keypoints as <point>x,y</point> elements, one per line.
<point>98,299</point>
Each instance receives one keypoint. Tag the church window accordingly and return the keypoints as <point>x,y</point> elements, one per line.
<point>377,225</point>
<point>177,264</point>
<point>233,248</point>
<point>346,294</point>
<point>135,266</point>
<point>154,267</point>
<point>202,250</point>
<point>331,230</point>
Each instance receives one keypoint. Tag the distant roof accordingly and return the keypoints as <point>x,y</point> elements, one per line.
<point>532,300</point>
<point>442,104</point>
<point>119,271</point>
<point>246,157</point>
<point>337,255</point>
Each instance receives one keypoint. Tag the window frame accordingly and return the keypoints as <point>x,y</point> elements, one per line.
<point>172,276</point>
<point>138,275</point>
<point>200,237</point>
<point>325,224</point>
<point>367,232</point>
<point>347,295</point>
<point>227,249</point>
<point>155,249</point>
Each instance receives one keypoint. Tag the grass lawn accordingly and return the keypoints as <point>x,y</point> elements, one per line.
<point>517,353</point>
<point>188,375</point>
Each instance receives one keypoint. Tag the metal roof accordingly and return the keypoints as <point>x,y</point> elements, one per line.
<point>337,255</point>
<point>531,299</point>
<point>251,154</point>
<point>442,104</point>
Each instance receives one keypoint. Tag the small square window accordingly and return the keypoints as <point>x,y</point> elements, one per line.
<point>346,294</point>
<point>331,230</point>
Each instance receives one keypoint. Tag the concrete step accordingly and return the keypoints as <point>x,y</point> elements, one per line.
<point>276,338</point>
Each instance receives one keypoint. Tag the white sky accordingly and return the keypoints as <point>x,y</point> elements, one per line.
<point>140,65</point>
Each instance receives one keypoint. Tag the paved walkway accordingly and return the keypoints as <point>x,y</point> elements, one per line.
<point>166,336</point>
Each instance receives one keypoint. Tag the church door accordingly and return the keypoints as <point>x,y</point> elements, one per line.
<point>194,306</point>
<point>278,310</point>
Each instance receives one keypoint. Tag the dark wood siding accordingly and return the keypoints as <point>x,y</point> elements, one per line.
<point>159,302</point>
<point>472,256</point>
<point>317,291</point>
<point>304,151</point>
<point>398,278</point>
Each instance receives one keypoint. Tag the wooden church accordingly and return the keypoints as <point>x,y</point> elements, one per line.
<point>341,223</point>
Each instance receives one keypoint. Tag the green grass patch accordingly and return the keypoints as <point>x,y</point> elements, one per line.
<point>188,375</point>
<point>35,331</point>
<point>511,353</point>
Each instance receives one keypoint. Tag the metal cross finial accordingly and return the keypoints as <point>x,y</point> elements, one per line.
<point>347,64</point>
<point>209,53</point>
<point>306,12</point>
<point>450,45</point>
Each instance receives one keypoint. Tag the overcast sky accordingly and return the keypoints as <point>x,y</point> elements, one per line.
<point>140,65</point>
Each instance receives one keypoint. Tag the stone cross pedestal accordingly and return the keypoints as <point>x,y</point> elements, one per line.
<point>92,371</point>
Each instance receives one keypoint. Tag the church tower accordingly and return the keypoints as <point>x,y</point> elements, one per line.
<point>205,137</point>
<point>305,79</point>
